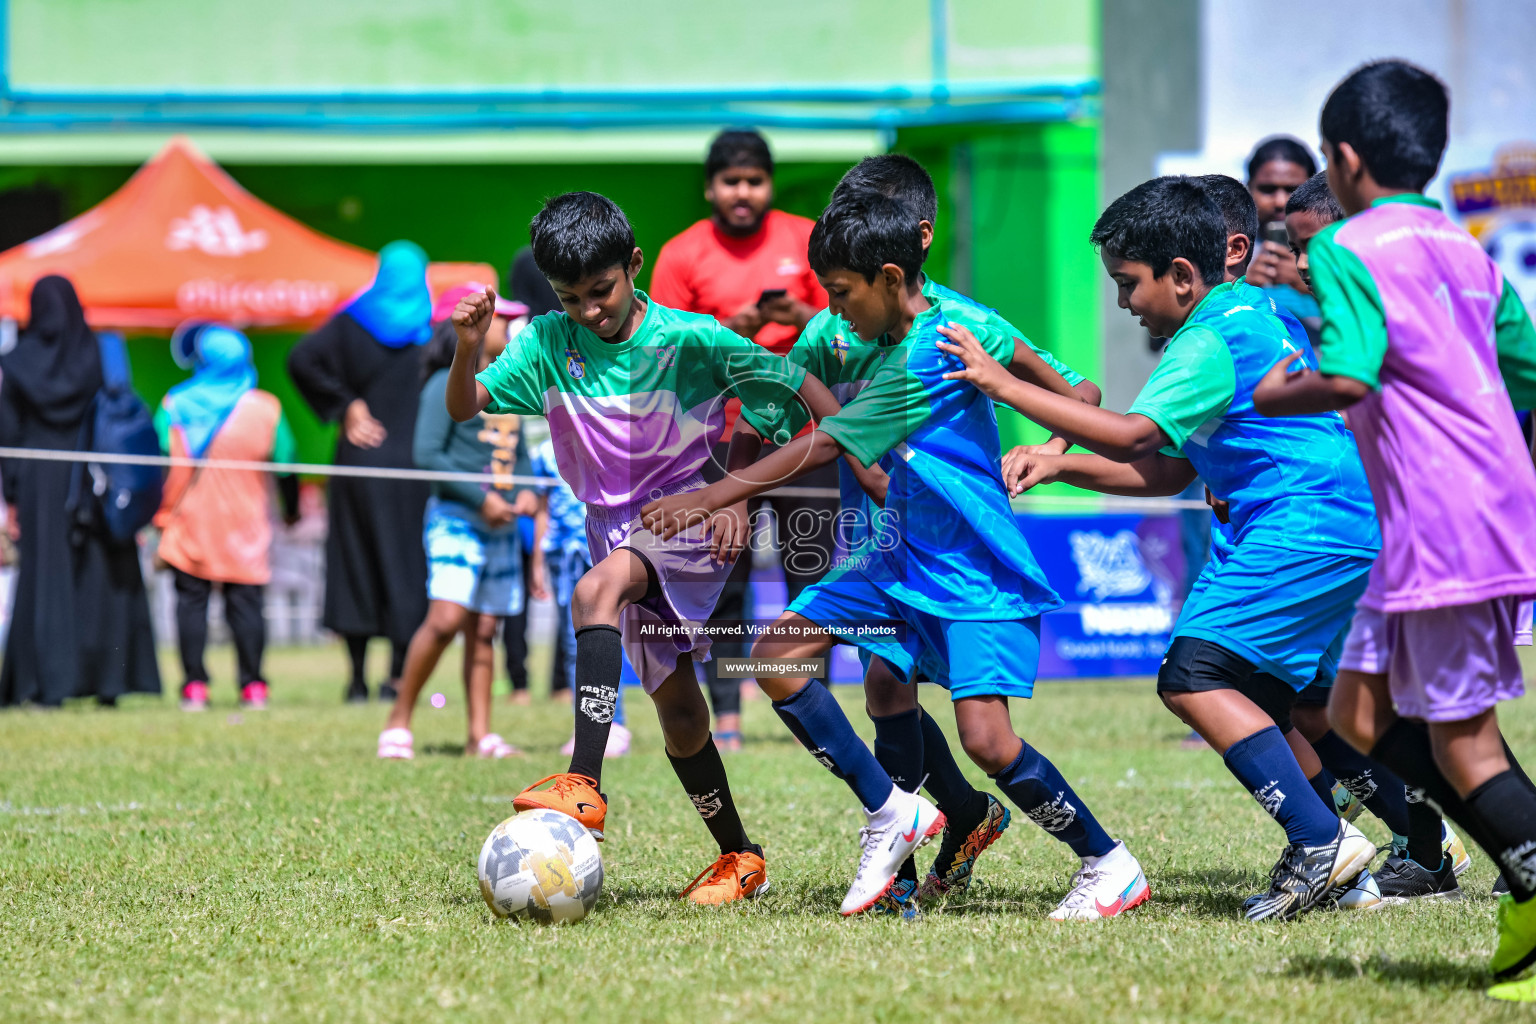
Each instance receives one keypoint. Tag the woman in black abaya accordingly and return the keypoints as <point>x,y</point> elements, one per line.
<point>80,622</point>
<point>363,369</point>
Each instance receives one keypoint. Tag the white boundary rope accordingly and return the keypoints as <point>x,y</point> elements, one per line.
<point>1044,503</point>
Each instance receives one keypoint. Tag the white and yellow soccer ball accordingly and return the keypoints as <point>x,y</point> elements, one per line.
<point>541,866</point>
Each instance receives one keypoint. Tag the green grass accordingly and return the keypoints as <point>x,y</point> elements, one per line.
<point>156,865</point>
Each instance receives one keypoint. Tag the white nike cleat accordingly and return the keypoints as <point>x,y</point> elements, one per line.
<point>905,823</point>
<point>1111,885</point>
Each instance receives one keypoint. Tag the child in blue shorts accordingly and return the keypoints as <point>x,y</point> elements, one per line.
<point>946,589</point>
<point>1260,622</point>
<point>474,552</point>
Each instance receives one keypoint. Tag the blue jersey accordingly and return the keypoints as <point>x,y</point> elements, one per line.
<point>953,547</point>
<point>567,530</point>
<point>1293,482</point>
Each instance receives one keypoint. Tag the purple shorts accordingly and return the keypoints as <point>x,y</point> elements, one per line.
<point>1442,664</point>
<point>688,585</point>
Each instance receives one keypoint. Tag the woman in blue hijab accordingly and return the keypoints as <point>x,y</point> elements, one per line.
<point>216,524</point>
<point>222,372</point>
<point>362,370</point>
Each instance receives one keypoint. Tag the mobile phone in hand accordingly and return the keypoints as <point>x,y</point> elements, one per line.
<point>1274,231</point>
<point>771,295</point>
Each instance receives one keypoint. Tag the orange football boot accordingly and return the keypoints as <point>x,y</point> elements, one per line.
<point>734,876</point>
<point>571,794</point>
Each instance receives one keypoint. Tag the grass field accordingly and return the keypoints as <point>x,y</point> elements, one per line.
<point>226,866</point>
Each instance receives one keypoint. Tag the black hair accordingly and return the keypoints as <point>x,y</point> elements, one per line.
<point>896,175</point>
<point>1162,220</point>
<point>862,232</point>
<point>437,353</point>
<point>1281,147</point>
<point>1315,197</point>
<point>738,147</point>
<point>579,234</point>
<point>1394,116</point>
<point>1236,204</point>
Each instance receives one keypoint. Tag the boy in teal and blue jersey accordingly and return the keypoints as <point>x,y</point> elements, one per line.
<point>954,582</point>
<point>1304,531</point>
<point>1344,778</point>
<point>908,742</point>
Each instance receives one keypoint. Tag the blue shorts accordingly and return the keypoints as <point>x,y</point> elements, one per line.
<point>1286,612</point>
<point>469,565</point>
<point>969,658</point>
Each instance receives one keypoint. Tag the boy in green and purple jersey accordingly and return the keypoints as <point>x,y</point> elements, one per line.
<point>1430,350</point>
<point>634,393</point>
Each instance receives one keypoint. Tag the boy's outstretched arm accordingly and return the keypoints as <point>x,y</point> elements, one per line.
<point>472,317</point>
<point>821,404</point>
<point>1117,436</point>
<point>667,517</point>
<point>1155,476</point>
<point>1287,392</point>
<point>1027,365</point>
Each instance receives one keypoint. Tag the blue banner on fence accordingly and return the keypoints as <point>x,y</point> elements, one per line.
<point>1122,578</point>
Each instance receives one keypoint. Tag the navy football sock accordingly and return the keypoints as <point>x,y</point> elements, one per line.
<point>899,747</point>
<point>1043,795</point>
<point>1265,766</point>
<point>1373,784</point>
<point>817,721</point>
<point>963,804</point>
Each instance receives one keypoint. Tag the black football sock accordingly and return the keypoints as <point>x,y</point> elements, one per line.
<point>899,748</point>
<point>599,660</point>
<point>1426,830</point>
<point>1405,748</point>
<point>1322,784</point>
<point>1382,792</point>
<point>1514,765</point>
<point>962,803</point>
<point>357,651</point>
<point>1506,807</point>
<point>703,778</point>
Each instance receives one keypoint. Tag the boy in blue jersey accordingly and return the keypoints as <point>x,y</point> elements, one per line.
<point>1260,622</point>
<point>1345,778</point>
<point>908,742</point>
<point>951,592</point>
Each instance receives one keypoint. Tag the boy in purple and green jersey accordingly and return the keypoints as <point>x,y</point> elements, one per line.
<point>908,742</point>
<point>1430,351</point>
<point>635,394</point>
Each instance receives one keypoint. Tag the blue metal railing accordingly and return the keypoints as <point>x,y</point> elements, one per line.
<point>884,106</point>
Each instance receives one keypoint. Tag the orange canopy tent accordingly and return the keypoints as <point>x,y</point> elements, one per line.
<point>182,240</point>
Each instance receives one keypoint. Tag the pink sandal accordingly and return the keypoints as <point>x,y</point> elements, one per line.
<point>494,747</point>
<point>396,745</point>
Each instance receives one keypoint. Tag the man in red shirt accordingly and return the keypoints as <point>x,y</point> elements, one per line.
<point>747,267</point>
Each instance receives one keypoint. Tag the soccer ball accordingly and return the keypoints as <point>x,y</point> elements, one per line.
<point>542,866</point>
